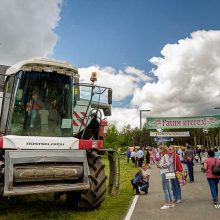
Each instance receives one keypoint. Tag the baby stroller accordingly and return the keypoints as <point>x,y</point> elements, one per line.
<point>185,172</point>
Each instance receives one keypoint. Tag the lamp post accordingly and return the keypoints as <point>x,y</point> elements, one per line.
<point>205,131</point>
<point>218,130</point>
<point>144,110</point>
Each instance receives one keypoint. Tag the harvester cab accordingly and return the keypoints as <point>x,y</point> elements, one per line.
<point>91,104</point>
<point>52,130</point>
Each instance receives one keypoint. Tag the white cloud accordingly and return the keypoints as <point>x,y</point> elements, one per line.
<point>188,78</point>
<point>122,82</point>
<point>27,29</point>
<point>188,72</point>
<point>122,117</point>
<point>188,81</point>
<point>137,73</point>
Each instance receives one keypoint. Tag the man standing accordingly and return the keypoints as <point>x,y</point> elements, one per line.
<point>128,154</point>
<point>140,157</point>
<point>180,153</point>
<point>189,153</point>
<point>190,165</point>
<point>147,156</point>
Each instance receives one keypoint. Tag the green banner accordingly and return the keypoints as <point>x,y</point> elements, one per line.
<point>183,122</point>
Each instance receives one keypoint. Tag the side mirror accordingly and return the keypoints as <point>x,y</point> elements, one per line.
<point>76,92</point>
<point>109,96</point>
<point>107,111</point>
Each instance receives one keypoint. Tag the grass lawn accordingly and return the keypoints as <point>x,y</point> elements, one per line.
<point>45,207</point>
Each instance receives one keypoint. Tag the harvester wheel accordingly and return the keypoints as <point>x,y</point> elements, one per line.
<point>92,198</point>
<point>1,181</point>
<point>1,188</point>
<point>72,199</point>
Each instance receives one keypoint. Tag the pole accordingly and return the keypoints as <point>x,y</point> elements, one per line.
<point>140,119</point>
<point>145,110</point>
<point>218,131</point>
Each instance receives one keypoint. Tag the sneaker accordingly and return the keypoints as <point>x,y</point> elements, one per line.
<point>142,192</point>
<point>165,207</point>
<point>137,192</point>
<point>171,205</point>
<point>215,202</point>
<point>178,201</point>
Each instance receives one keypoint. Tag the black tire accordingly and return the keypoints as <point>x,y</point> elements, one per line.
<point>72,199</point>
<point>1,174</point>
<point>93,197</point>
<point>1,187</point>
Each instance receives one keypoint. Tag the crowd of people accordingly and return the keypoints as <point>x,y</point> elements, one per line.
<point>174,165</point>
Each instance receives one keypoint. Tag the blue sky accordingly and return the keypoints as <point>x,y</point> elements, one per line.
<point>162,55</point>
<point>128,32</point>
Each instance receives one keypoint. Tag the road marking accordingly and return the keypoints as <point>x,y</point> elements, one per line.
<point>130,211</point>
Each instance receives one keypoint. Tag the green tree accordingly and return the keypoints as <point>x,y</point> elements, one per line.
<point>111,140</point>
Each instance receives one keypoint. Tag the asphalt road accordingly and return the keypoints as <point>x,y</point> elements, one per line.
<point>196,203</point>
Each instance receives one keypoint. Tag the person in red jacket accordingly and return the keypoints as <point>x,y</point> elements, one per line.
<point>177,168</point>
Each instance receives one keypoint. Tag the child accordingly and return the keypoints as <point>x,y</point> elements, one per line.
<point>141,180</point>
<point>197,158</point>
<point>204,156</point>
<point>157,156</point>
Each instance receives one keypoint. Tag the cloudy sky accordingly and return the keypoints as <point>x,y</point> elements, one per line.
<point>154,54</point>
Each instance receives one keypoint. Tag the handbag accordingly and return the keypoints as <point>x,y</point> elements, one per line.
<point>170,175</point>
<point>216,169</point>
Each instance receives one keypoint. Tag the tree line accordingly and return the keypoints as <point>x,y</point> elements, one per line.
<point>141,137</point>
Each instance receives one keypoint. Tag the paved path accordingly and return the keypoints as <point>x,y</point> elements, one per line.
<point>196,201</point>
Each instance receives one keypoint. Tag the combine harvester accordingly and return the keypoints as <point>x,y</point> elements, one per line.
<point>52,130</point>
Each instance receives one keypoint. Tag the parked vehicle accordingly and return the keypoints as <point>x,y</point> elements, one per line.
<point>52,130</point>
